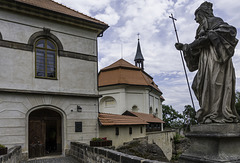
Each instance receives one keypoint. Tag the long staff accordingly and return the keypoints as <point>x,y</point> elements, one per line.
<point>184,67</point>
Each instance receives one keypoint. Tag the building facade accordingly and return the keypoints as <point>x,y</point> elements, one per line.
<point>48,79</point>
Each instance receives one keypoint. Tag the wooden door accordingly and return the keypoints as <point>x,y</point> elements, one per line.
<point>36,138</point>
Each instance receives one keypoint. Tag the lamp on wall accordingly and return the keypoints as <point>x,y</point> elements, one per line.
<point>79,109</point>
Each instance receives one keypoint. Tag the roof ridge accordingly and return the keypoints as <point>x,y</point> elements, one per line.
<point>114,65</point>
<point>144,77</point>
<point>146,115</point>
<point>152,84</point>
<point>76,11</point>
<point>140,117</point>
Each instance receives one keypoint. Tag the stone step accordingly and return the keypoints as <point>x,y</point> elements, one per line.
<point>67,159</point>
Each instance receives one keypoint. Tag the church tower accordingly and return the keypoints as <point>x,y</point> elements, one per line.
<point>139,57</point>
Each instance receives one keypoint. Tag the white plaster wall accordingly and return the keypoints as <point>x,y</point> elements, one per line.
<point>160,114</point>
<point>18,67</point>
<point>79,44</point>
<point>126,98</point>
<point>124,136</point>
<point>78,76</point>
<point>151,98</point>
<point>15,108</point>
<point>156,103</point>
<point>136,99</point>
<point>137,96</point>
<point>129,96</point>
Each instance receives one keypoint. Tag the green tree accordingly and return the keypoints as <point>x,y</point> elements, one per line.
<point>189,116</point>
<point>171,117</point>
<point>237,102</point>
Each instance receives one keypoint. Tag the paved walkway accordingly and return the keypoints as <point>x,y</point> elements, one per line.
<point>59,159</point>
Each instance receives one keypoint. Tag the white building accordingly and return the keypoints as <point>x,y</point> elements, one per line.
<point>124,86</point>
<point>48,78</point>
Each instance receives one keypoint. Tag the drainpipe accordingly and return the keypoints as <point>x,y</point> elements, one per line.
<point>97,125</point>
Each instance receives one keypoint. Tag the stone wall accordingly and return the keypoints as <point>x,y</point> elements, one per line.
<point>86,154</point>
<point>164,140</point>
<point>14,155</point>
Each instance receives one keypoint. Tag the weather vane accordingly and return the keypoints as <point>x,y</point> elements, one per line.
<point>138,35</point>
<point>184,67</point>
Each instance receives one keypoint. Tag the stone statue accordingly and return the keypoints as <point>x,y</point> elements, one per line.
<point>210,53</point>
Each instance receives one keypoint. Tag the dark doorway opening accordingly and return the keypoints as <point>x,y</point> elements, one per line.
<point>45,133</point>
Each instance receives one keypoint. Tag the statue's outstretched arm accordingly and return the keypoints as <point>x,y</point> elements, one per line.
<point>200,42</point>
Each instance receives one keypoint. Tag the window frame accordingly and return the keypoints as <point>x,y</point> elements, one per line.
<point>130,131</point>
<point>78,126</point>
<point>117,131</point>
<point>135,108</point>
<point>150,110</point>
<point>45,49</point>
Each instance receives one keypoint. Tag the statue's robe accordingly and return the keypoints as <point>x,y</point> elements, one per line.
<point>214,83</point>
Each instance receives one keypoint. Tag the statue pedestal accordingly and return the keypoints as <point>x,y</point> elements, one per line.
<point>213,143</point>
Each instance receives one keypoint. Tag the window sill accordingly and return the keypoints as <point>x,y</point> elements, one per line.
<point>38,77</point>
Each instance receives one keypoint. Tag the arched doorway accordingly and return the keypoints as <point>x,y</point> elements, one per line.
<point>45,133</point>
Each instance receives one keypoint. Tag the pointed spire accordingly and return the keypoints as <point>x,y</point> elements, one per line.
<point>139,57</point>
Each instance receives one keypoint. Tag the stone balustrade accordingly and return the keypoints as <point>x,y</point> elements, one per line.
<point>85,153</point>
<point>14,155</point>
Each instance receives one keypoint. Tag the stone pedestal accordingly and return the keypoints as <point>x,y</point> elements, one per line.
<point>213,143</point>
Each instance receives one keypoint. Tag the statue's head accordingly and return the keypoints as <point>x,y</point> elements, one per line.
<point>204,10</point>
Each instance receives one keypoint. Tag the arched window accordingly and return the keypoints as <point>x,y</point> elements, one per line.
<point>45,59</point>
<point>134,108</point>
<point>150,110</point>
<point>110,102</point>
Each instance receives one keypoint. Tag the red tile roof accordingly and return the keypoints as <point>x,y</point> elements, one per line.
<point>145,117</point>
<point>115,119</point>
<point>123,72</point>
<point>120,63</point>
<point>54,6</point>
<point>162,98</point>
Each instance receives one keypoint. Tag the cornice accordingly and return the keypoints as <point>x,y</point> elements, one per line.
<point>49,93</point>
<point>52,15</point>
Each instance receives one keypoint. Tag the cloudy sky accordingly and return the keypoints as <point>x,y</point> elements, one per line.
<point>150,18</point>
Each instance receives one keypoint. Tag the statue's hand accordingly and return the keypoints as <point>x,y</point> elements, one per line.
<point>179,46</point>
